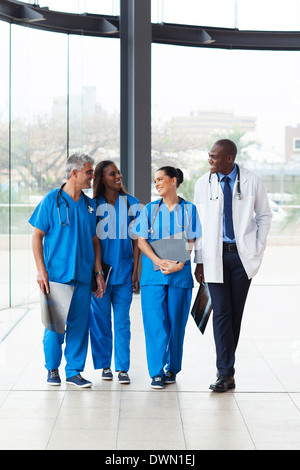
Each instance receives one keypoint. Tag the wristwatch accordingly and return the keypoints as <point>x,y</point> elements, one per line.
<point>99,272</point>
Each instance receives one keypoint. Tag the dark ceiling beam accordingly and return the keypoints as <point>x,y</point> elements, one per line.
<point>87,24</point>
<point>164,33</point>
<point>180,35</point>
<point>18,12</point>
<point>60,22</point>
<point>254,40</point>
<point>225,38</point>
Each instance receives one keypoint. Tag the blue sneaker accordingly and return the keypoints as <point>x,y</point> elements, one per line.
<point>107,374</point>
<point>79,381</point>
<point>170,377</point>
<point>53,377</point>
<point>123,377</point>
<point>157,382</point>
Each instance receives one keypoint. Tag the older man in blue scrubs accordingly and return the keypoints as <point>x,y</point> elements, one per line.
<point>66,250</point>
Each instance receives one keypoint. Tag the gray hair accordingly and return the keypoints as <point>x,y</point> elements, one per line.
<point>77,162</point>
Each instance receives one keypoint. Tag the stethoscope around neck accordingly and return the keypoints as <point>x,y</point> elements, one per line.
<point>151,230</point>
<point>59,194</point>
<point>238,186</point>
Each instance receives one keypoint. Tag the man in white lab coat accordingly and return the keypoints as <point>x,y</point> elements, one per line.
<point>235,218</point>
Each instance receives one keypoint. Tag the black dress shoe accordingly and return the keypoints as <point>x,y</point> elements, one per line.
<point>223,384</point>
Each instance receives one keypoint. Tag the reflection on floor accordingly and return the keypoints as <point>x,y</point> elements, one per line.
<point>262,413</point>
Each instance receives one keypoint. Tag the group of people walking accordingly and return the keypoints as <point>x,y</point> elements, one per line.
<point>75,236</point>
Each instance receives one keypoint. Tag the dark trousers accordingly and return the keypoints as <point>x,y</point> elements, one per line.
<point>228,301</point>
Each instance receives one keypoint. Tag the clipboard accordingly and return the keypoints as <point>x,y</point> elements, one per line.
<point>173,248</point>
<point>55,306</point>
<point>202,307</point>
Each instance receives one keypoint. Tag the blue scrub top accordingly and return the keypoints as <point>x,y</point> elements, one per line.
<point>68,249</point>
<point>184,217</point>
<point>113,231</point>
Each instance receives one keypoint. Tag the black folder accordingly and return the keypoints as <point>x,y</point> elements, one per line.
<point>202,307</point>
<point>106,273</point>
<point>107,270</point>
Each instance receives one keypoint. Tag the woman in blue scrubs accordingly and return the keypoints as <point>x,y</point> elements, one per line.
<point>166,292</point>
<point>115,211</point>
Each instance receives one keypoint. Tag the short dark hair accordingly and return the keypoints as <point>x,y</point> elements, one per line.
<point>173,172</point>
<point>229,146</point>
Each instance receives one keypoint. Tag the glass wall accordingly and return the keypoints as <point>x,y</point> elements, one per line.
<point>38,139</point>
<point>252,97</point>
<point>4,165</point>
<point>103,7</point>
<point>266,15</point>
<point>59,94</point>
<point>94,96</point>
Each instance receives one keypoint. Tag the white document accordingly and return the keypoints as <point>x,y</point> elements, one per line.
<point>55,306</point>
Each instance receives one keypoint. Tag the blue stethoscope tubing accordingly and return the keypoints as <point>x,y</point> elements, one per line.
<point>238,195</point>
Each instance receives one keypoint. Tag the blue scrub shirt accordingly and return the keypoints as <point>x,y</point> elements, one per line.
<point>68,249</point>
<point>184,217</point>
<point>113,232</point>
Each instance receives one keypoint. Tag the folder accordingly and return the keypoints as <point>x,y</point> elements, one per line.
<point>202,307</point>
<point>175,249</point>
<point>106,270</point>
<point>55,306</point>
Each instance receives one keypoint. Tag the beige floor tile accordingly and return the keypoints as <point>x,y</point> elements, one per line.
<point>87,418</point>
<point>25,433</point>
<point>82,439</point>
<point>198,401</point>
<point>104,400</point>
<point>149,405</point>
<point>28,404</point>
<point>215,429</point>
<point>272,419</point>
<point>162,431</point>
<point>124,444</point>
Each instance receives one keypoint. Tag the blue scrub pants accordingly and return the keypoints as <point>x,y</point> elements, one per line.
<point>75,336</point>
<point>119,296</point>
<point>165,314</point>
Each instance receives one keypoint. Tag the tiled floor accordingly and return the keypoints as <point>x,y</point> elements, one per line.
<point>262,413</point>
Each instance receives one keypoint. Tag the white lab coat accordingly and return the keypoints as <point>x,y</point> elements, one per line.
<point>251,221</point>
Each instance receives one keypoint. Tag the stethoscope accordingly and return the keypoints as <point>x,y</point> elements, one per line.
<point>59,193</point>
<point>151,230</point>
<point>238,186</point>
